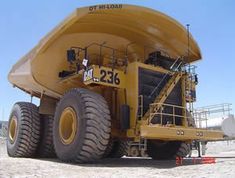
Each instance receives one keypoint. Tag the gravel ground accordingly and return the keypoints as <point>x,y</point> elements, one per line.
<point>120,168</point>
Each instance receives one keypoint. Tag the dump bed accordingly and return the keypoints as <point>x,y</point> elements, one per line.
<point>117,25</point>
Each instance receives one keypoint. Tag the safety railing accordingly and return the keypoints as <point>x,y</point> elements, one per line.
<point>113,53</point>
<point>168,113</point>
<point>206,115</point>
<point>174,67</point>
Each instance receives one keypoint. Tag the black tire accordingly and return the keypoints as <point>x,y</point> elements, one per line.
<point>172,149</point>
<point>116,149</point>
<point>109,148</point>
<point>183,150</point>
<point>46,145</point>
<point>27,130</point>
<point>167,150</point>
<point>94,126</point>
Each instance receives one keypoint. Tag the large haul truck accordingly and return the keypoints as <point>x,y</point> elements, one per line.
<point>108,77</point>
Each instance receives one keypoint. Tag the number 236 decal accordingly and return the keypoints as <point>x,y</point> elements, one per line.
<point>109,77</point>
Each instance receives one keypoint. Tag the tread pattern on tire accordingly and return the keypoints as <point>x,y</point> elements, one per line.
<point>97,128</point>
<point>170,151</point>
<point>183,150</point>
<point>46,146</point>
<point>175,149</point>
<point>116,149</point>
<point>29,130</point>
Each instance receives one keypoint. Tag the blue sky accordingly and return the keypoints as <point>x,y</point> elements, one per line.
<point>23,23</point>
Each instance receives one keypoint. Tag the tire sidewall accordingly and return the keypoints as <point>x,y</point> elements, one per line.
<point>70,151</point>
<point>13,146</point>
<point>162,150</point>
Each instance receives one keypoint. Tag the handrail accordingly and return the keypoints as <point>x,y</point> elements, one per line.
<point>165,104</point>
<point>103,46</point>
<point>204,114</point>
<point>164,77</point>
<point>161,113</point>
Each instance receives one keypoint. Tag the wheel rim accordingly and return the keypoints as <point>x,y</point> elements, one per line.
<point>13,129</point>
<point>68,125</point>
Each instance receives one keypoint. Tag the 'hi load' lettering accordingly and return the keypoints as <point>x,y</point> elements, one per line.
<point>105,6</point>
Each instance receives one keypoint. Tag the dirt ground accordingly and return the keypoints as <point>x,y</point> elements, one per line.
<point>120,168</point>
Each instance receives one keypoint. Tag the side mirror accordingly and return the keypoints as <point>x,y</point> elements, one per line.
<point>71,55</point>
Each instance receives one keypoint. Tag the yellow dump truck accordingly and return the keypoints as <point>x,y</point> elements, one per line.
<point>109,76</point>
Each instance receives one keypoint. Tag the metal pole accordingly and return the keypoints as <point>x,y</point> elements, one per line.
<point>188,38</point>
<point>198,149</point>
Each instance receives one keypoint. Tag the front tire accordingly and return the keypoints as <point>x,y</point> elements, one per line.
<point>116,148</point>
<point>167,150</point>
<point>82,126</point>
<point>170,149</point>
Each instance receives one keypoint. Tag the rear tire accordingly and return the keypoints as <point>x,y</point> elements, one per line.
<point>116,149</point>
<point>82,126</point>
<point>167,150</point>
<point>46,146</point>
<point>23,130</point>
<point>183,150</point>
<point>172,149</point>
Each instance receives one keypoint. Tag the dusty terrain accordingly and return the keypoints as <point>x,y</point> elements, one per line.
<point>125,167</point>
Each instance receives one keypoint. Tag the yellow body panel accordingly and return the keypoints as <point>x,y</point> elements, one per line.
<point>105,76</point>
<point>179,133</point>
<point>117,25</point>
<point>132,85</point>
